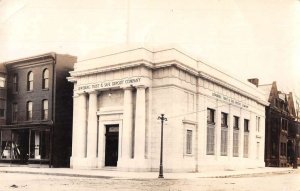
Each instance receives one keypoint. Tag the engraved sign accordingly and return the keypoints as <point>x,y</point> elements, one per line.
<point>110,84</point>
<point>229,100</point>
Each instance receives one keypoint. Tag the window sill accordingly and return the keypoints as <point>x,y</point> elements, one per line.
<point>211,123</point>
<point>188,155</point>
<point>45,89</point>
<point>29,91</point>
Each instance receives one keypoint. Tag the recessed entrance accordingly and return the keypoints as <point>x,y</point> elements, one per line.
<point>111,145</point>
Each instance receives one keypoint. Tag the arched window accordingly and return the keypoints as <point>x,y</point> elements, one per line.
<point>29,111</point>
<point>45,109</point>
<point>30,81</point>
<point>15,83</point>
<point>46,79</point>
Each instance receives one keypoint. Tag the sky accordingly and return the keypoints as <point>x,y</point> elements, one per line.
<point>245,38</point>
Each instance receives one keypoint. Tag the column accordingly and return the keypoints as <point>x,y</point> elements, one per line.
<point>241,135</point>
<point>140,123</point>
<point>218,131</point>
<point>92,127</point>
<point>75,129</point>
<point>127,124</point>
<point>230,133</point>
<point>252,136</point>
<point>81,121</point>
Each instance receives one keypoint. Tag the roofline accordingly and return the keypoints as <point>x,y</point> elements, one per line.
<point>51,54</point>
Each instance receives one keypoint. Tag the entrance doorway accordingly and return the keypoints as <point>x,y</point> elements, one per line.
<point>111,145</point>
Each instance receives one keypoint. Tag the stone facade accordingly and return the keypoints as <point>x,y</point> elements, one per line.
<point>122,93</point>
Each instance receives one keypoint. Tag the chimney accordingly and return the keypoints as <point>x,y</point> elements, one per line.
<point>254,81</point>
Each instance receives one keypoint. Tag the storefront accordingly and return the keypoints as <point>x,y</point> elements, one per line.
<point>25,145</point>
<point>214,120</point>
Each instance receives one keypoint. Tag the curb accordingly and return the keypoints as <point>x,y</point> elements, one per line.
<point>58,174</point>
<point>250,174</point>
<point>139,178</point>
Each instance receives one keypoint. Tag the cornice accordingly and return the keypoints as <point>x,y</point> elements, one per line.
<point>232,88</point>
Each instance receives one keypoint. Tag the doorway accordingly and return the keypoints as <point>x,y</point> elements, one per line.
<point>111,145</point>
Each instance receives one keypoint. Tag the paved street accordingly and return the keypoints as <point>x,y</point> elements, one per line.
<point>280,181</point>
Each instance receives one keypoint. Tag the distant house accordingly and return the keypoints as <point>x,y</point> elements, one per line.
<point>282,135</point>
<point>38,128</point>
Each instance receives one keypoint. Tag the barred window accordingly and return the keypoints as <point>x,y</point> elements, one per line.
<point>224,140</point>
<point>246,144</point>
<point>210,145</point>
<point>235,142</point>
<point>246,137</point>
<point>189,141</point>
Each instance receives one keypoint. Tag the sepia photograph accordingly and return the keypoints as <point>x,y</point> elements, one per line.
<point>132,95</point>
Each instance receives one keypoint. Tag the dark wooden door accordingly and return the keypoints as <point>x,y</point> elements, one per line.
<point>111,145</point>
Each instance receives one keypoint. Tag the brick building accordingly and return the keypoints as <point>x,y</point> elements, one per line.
<point>282,136</point>
<point>2,94</point>
<point>38,127</point>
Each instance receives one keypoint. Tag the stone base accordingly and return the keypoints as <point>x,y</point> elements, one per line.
<point>83,163</point>
<point>136,165</point>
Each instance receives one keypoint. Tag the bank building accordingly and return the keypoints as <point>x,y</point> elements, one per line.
<point>215,121</point>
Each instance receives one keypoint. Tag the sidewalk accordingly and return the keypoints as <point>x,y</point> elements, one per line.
<point>103,173</point>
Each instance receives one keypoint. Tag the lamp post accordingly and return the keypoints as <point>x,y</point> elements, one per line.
<point>162,119</point>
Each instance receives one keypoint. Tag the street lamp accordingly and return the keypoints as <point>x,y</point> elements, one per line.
<point>162,119</point>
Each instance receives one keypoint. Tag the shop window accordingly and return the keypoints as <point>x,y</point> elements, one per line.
<point>45,110</point>
<point>11,147</point>
<point>14,112</point>
<point>39,144</point>
<point>189,141</point>
<point>15,83</point>
<point>29,111</point>
<point>46,79</point>
<point>30,81</point>
<point>210,116</point>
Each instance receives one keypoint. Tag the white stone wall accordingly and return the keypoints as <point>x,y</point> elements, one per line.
<point>167,82</point>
